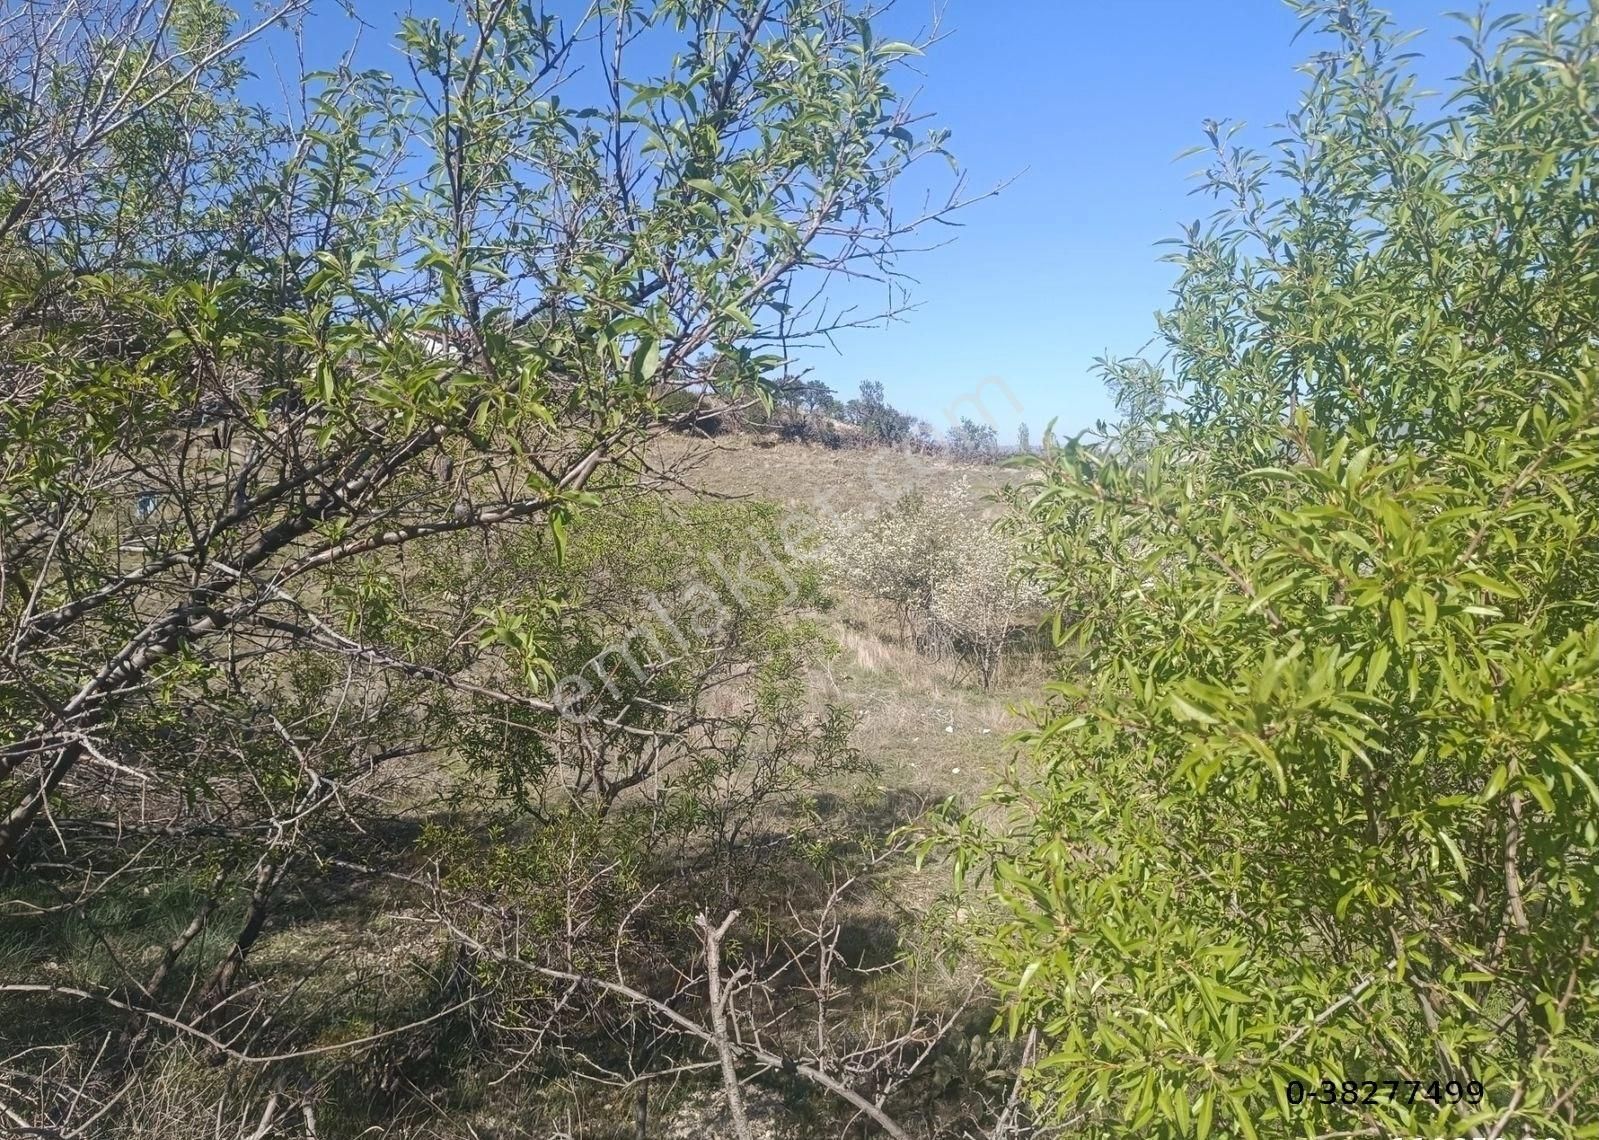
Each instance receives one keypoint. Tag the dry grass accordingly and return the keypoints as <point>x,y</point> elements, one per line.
<point>810,476</point>
<point>931,727</point>
<point>931,731</point>
<point>346,959</point>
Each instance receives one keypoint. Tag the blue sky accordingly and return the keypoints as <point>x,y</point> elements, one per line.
<point>1088,104</point>
<point>1084,105</point>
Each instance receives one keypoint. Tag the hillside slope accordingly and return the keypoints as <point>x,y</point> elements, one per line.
<point>934,730</point>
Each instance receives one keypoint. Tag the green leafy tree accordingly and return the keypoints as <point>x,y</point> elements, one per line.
<point>1138,390</point>
<point>877,418</point>
<point>442,305</point>
<point>1315,797</point>
<point>260,369</point>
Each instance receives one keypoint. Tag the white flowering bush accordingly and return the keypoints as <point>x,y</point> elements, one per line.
<point>980,599</point>
<point>948,576</point>
<point>897,554</point>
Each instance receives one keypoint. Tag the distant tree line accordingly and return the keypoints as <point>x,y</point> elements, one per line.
<point>809,411</point>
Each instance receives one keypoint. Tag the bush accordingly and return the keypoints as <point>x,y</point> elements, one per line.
<point>950,578</point>
<point>973,441</point>
<point>1316,799</point>
<point>664,615</point>
<point>978,602</point>
<point>878,420</point>
<point>336,365</point>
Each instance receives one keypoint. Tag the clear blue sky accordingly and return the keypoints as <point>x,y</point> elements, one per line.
<point>1085,104</point>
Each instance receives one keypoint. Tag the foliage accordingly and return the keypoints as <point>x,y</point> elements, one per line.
<point>1138,389</point>
<point>678,645</point>
<point>277,380</point>
<point>981,598</point>
<point>1315,796</point>
<point>952,581</point>
<point>436,321</point>
<point>876,417</point>
<point>690,411</point>
<point>971,440</point>
<point>898,554</point>
<point>798,409</point>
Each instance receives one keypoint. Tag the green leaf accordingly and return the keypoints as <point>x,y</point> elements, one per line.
<point>1188,711</point>
<point>1399,622</point>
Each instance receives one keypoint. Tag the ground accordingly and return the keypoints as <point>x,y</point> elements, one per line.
<point>931,727</point>
<point>349,953</point>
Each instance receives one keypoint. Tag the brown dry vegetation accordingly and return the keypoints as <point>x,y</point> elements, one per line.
<point>812,477</point>
<point>931,728</point>
<point>935,731</point>
<point>353,953</point>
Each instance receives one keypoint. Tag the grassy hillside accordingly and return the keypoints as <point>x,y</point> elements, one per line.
<point>933,727</point>
<point>812,477</point>
<point>365,943</point>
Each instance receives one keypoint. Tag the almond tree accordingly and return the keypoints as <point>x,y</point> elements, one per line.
<point>1310,845</point>
<point>250,356</point>
<point>447,304</point>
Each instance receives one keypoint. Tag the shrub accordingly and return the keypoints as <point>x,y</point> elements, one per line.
<point>973,441</point>
<point>318,357</point>
<point>880,421</point>
<point>898,554</point>
<point>1316,801</point>
<point>664,613</point>
<point>981,597</point>
<point>951,580</point>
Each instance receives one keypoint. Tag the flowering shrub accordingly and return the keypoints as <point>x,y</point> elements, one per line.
<point>896,554</point>
<point>981,598</point>
<point>948,575</point>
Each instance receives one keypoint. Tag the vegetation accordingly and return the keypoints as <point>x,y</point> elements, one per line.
<point>972,440</point>
<point>323,561</point>
<point>1314,797</point>
<point>950,582</point>
<point>880,422</point>
<point>445,692</point>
